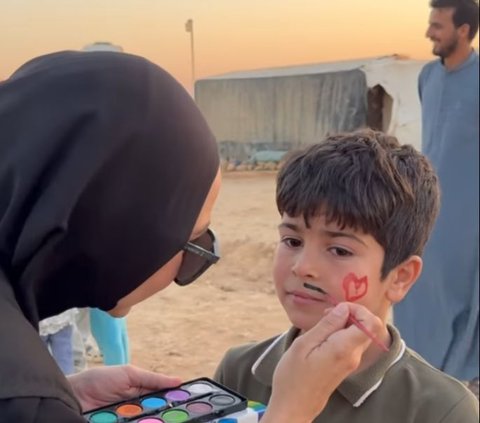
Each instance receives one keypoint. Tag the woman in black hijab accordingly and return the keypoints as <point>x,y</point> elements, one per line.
<point>107,171</point>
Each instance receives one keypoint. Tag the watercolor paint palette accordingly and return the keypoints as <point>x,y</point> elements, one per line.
<point>197,401</point>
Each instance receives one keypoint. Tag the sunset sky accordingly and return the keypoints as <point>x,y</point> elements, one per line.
<point>229,35</point>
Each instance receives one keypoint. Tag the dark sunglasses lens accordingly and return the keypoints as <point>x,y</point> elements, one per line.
<point>193,264</point>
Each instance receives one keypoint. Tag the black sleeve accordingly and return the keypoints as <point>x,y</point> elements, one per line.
<point>37,410</point>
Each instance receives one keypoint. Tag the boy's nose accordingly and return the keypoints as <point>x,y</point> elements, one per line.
<point>306,265</point>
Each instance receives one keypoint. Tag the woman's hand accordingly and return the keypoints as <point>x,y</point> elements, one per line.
<point>105,385</point>
<point>317,362</point>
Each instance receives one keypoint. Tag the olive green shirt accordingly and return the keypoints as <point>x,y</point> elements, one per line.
<point>400,387</point>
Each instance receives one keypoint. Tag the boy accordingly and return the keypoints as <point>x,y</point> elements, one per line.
<point>357,210</point>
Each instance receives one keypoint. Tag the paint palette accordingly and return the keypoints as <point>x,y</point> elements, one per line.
<point>196,401</point>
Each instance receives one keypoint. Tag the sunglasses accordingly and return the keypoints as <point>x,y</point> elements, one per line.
<point>198,256</point>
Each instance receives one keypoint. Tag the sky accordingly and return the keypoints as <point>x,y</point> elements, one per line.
<point>229,35</point>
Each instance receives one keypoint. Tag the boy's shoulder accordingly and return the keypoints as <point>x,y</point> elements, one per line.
<point>430,394</point>
<point>429,381</point>
<point>251,351</point>
<point>242,359</point>
<point>249,368</point>
<point>405,390</point>
<point>403,385</point>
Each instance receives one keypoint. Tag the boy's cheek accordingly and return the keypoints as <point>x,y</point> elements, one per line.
<point>280,271</point>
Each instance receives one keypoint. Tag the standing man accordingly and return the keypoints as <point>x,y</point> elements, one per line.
<point>439,319</point>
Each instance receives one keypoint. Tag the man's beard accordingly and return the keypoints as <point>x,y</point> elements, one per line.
<point>446,51</point>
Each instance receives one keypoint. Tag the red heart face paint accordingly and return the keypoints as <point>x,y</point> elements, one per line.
<point>354,287</point>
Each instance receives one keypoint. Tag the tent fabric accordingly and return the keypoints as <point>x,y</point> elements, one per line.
<point>296,110</point>
<point>295,106</point>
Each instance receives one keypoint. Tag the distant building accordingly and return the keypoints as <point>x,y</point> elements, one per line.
<point>290,107</point>
<point>102,46</point>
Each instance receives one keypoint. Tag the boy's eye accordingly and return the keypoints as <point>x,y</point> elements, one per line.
<point>341,252</point>
<point>291,242</point>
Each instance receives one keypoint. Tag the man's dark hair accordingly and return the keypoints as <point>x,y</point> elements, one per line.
<point>366,181</point>
<point>466,12</point>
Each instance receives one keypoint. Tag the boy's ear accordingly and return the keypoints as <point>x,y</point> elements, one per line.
<point>403,277</point>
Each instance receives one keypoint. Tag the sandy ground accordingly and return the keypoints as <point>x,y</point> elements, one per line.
<point>185,331</point>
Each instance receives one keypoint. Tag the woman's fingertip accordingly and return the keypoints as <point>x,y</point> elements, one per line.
<point>340,310</point>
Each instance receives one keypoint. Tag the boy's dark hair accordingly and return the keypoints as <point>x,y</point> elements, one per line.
<point>367,181</point>
<point>466,12</point>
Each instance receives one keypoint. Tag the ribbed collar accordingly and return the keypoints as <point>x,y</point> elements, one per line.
<point>356,388</point>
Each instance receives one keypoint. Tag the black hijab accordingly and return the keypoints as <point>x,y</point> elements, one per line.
<point>105,162</point>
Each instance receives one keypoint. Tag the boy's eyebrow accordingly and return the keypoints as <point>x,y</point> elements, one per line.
<point>336,234</point>
<point>291,226</point>
<point>331,234</point>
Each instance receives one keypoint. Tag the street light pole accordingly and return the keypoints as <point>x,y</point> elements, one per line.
<point>189,28</point>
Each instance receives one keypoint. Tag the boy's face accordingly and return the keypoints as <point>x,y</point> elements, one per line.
<point>344,263</point>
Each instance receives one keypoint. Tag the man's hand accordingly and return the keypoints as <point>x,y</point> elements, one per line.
<point>105,385</point>
<point>317,362</point>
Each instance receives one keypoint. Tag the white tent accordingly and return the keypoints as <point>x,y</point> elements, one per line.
<point>298,105</point>
<point>399,80</point>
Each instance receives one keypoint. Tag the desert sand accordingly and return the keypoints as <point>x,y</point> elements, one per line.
<point>185,331</point>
